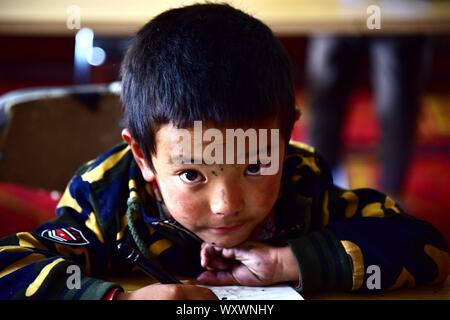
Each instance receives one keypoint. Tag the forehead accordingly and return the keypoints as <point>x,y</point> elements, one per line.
<point>167,133</point>
<point>169,138</point>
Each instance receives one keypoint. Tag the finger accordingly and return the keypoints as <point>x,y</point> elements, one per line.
<point>189,282</point>
<point>217,278</point>
<point>218,263</point>
<point>217,249</point>
<point>211,258</point>
<point>215,262</point>
<point>242,252</point>
<point>206,245</point>
<point>229,253</point>
<point>208,294</point>
<point>205,253</point>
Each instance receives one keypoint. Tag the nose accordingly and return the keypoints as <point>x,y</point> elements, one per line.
<point>227,200</point>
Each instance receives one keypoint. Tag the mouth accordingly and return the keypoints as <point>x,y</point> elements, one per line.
<point>226,229</point>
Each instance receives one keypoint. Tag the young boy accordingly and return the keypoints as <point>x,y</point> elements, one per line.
<point>221,214</point>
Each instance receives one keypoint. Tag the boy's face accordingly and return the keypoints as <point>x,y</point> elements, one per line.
<point>220,203</point>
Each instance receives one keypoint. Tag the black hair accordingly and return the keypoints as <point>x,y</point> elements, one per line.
<point>207,62</point>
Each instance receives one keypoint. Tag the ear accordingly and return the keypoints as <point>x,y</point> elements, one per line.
<point>138,155</point>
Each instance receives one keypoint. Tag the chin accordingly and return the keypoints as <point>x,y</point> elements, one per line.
<point>230,242</point>
<point>228,239</point>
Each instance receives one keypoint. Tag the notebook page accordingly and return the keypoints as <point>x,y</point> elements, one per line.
<point>279,292</point>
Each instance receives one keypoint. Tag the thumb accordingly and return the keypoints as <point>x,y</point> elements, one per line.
<point>239,253</point>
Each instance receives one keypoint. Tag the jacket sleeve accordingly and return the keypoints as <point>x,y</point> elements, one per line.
<point>59,259</point>
<point>361,240</point>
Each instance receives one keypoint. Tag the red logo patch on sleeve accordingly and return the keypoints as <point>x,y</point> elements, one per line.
<point>69,235</point>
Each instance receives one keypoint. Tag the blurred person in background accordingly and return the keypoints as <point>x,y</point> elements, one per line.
<point>399,66</point>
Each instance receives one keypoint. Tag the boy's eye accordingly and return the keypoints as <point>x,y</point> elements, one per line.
<point>253,169</point>
<point>191,176</point>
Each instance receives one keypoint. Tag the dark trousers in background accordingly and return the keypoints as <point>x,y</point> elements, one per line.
<point>398,67</point>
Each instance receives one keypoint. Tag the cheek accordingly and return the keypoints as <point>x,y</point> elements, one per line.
<point>182,205</point>
<point>265,194</point>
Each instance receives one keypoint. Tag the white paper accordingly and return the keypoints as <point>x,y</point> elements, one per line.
<point>279,292</point>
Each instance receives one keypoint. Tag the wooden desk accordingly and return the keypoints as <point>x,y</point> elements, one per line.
<point>285,17</point>
<point>432,292</point>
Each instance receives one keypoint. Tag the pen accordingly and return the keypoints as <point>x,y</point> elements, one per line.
<point>146,266</point>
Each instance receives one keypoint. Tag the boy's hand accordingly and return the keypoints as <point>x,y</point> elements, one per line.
<point>168,292</point>
<point>250,264</point>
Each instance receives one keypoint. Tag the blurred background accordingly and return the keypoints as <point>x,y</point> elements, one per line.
<point>76,47</point>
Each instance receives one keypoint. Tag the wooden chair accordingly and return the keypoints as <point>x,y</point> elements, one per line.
<point>47,133</point>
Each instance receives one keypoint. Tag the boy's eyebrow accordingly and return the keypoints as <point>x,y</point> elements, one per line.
<point>181,161</point>
<point>192,160</point>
